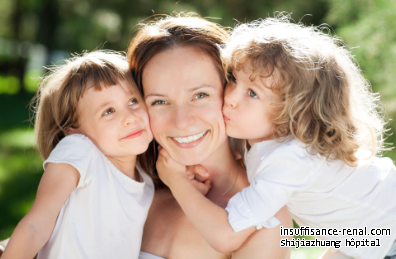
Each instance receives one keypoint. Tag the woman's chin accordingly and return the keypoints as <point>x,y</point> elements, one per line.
<point>189,158</point>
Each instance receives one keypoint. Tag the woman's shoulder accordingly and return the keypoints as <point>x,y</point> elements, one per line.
<point>165,213</point>
<point>163,202</point>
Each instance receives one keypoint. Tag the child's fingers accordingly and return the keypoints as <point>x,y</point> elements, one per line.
<point>207,184</point>
<point>199,170</point>
<point>201,187</point>
<point>190,175</point>
<point>204,187</point>
<point>165,154</point>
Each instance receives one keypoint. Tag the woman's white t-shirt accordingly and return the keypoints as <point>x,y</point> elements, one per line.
<point>318,194</point>
<point>104,216</point>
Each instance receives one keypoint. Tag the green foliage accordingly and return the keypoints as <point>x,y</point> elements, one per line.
<point>368,27</point>
<point>9,85</point>
<point>31,79</point>
<point>20,164</point>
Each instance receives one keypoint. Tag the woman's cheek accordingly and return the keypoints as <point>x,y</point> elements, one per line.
<point>158,124</point>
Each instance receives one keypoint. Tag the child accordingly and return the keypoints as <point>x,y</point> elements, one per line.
<point>312,127</point>
<point>93,199</point>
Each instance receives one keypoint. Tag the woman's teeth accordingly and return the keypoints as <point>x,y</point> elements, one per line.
<point>190,138</point>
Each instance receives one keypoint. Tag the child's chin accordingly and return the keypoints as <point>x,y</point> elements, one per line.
<point>233,134</point>
<point>140,149</point>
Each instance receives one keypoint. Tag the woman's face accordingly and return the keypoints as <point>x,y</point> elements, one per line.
<point>184,96</point>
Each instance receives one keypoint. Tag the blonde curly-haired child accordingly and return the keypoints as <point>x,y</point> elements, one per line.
<point>313,129</point>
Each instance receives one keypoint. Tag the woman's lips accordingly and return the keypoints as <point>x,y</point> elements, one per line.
<point>134,134</point>
<point>190,144</point>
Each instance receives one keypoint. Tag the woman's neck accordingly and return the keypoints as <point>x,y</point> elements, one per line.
<point>226,175</point>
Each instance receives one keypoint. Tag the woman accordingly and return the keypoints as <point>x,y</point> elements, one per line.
<point>176,65</point>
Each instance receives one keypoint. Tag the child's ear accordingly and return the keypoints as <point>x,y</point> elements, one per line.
<point>71,130</point>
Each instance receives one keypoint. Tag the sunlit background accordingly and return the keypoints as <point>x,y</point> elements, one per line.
<point>35,33</point>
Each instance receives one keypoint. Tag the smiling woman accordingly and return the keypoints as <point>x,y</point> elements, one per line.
<point>176,64</point>
<point>184,106</point>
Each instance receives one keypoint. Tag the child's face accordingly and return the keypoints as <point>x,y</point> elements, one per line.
<point>247,107</point>
<point>115,119</point>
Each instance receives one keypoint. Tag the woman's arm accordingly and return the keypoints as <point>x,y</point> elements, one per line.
<point>34,230</point>
<point>265,243</point>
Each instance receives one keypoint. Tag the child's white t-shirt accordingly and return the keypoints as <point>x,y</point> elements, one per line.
<point>104,216</point>
<point>318,194</point>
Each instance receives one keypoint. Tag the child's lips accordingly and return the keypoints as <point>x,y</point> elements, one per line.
<point>134,134</point>
<point>225,117</point>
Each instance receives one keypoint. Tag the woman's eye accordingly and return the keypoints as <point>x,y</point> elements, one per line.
<point>158,102</point>
<point>133,101</point>
<point>109,111</point>
<point>200,96</point>
<point>252,94</point>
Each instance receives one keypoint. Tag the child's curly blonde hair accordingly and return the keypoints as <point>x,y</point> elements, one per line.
<point>325,101</point>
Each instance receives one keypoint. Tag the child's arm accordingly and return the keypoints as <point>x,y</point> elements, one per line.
<point>34,230</point>
<point>208,218</point>
<point>265,243</point>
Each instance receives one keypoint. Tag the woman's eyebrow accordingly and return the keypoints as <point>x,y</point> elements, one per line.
<point>155,94</point>
<point>198,87</point>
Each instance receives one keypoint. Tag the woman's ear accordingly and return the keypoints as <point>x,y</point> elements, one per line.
<point>71,130</point>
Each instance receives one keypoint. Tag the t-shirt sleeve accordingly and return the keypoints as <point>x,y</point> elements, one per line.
<point>76,150</point>
<point>287,170</point>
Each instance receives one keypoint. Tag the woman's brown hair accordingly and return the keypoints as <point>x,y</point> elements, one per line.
<point>167,32</point>
<point>56,101</point>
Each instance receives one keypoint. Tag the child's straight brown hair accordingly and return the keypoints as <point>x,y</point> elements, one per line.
<point>56,101</point>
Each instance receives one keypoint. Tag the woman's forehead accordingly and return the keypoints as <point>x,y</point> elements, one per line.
<point>182,68</point>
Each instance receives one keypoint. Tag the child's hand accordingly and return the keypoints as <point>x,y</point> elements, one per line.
<point>168,169</point>
<point>202,186</point>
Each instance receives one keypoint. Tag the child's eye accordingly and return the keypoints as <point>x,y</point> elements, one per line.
<point>158,102</point>
<point>233,78</point>
<point>200,96</point>
<point>133,101</point>
<point>109,111</point>
<point>252,94</point>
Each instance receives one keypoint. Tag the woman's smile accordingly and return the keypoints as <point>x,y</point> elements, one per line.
<point>184,106</point>
<point>190,141</point>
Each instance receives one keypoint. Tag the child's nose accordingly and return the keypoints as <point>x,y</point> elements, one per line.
<point>230,97</point>
<point>130,118</point>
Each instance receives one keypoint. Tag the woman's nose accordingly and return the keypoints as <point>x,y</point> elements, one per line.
<point>230,96</point>
<point>183,117</point>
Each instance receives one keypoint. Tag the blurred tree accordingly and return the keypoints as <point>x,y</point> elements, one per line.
<point>369,27</point>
